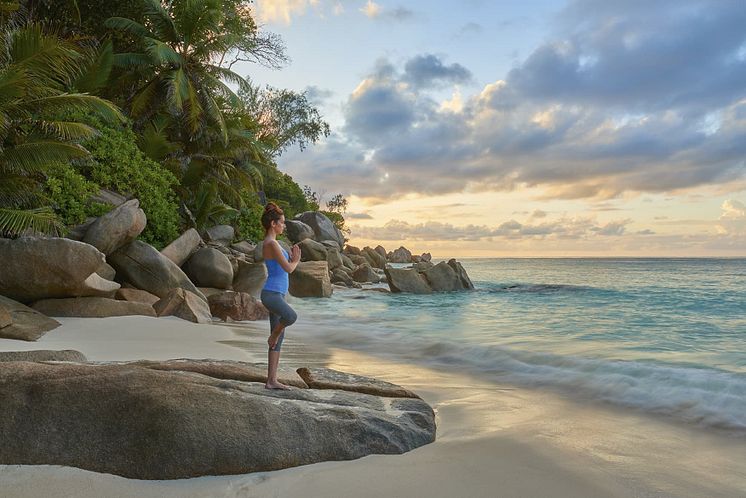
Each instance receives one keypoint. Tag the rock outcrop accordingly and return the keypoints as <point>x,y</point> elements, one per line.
<point>180,424</point>
<point>184,304</point>
<point>250,278</point>
<point>442,277</point>
<point>26,324</point>
<point>401,255</point>
<point>92,307</point>
<point>322,227</point>
<point>137,296</point>
<point>298,231</point>
<point>404,280</point>
<point>465,280</point>
<point>364,273</point>
<point>39,268</point>
<point>118,227</point>
<point>209,267</point>
<point>310,250</point>
<point>221,234</point>
<point>311,279</point>
<point>236,306</point>
<point>326,378</point>
<point>183,247</point>
<point>147,269</point>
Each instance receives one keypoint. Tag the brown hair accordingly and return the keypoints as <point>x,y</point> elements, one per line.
<point>272,212</point>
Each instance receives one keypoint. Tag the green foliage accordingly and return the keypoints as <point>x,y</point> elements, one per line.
<point>117,164</point>
<point>287,118</point>
<point>249,221</point>
<point>280,188</point>
<point>70,194</point>
<point>37,70</point>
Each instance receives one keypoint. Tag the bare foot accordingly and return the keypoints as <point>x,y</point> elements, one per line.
<point>273,338</point>
<point>276,385</point>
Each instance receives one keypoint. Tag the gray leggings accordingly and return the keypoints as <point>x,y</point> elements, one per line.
<point>279,311</point>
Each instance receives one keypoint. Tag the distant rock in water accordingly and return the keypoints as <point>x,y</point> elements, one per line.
<point>425,277</point>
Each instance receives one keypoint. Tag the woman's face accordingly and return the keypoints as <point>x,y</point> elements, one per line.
<point>279,225</point>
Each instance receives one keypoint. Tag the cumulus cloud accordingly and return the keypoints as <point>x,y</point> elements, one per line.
<point>562,229</point>
<point>428,70</point>
<point>633,96</point>
<point>281,10</point>
<point>733,218</point>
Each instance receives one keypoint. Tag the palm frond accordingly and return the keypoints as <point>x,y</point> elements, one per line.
<point>161,19</point>
<point>131,60</point>
<point>34,157</point>
<point>134,28</point>
<point>67,130</point>
<point>42,220</point>
<point>80,102</point>
<point>98,70</point>
<point>162,53</point>
<point>143,100</point>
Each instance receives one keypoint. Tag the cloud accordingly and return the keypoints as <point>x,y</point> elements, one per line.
<point>564,228</point>
<point>358,216</point>
<point>371,9</point>
<point>424,71</point>
<point>317,95</point>
<point>468,30</point>
<point>624,97</point>
<point>281,10</point>
<point>733,218</point>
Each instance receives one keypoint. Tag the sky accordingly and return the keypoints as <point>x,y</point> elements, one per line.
<point>523,129</point>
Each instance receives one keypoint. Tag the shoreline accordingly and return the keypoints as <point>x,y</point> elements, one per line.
<point>492,439</point>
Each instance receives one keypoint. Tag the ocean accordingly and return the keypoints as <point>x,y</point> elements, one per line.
<point>666,336</point>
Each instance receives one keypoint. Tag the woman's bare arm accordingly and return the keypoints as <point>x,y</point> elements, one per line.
<point>275,252</point>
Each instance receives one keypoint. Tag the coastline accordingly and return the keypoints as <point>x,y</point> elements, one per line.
<point>493,440</point>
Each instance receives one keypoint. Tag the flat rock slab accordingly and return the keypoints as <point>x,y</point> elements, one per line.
<point>26,324</point>
<point>92,307</point>
<point>43,355</point>
<point>223,369</point>
<point>144,423</point>
<point>326,378</point>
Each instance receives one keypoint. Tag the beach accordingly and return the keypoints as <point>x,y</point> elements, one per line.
<point>492,439</point>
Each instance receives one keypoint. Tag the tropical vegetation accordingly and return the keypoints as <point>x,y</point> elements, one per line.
<point>144,98</point>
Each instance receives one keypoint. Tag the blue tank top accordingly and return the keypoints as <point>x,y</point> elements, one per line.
<point>277,277</point>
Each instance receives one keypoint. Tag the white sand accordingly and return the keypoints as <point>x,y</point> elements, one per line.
<point>493,441</point>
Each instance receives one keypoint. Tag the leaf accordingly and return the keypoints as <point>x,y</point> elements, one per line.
<point>15,221</point>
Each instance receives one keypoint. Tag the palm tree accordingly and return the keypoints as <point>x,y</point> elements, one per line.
<point>36,71</point>
<point>179,95</point>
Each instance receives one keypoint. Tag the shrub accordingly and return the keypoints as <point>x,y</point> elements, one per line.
<point>248,223</point>
<point>118,164</point>
<point>70,195</point>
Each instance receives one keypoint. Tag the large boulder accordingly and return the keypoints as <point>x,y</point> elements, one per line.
<point>339,276</point>
<point>311,279</point>
<point>92,307</point>
<point>364,273</point>
<point>401,255</point>
<point>426,256</point>
<point>375,259</point>
<point>359,260</point>
<point>118,227</point>
<point>297,231</point>
<point>322,227</point>
<point>442,277</point>
<point>244,247</point>
<point>6,320</point>
<point>185,305</point>
<point>310,250</point>
<point>25,324</point>
<point>380,250</point>
<point>43,355</point>
<point>182,424</point>
<point>106,272</point>
<point>352,251</point>
<point>209,267</point>
<point>346,261</point>
<point>78,231</point>
<point>250,278</point>
<point>38,268</point>
<point>183,247</point>
<point>407,280</point>
<point>334,258</point>
<point>144,267</point>
<point>465,280</point>
<point>220,234</point>
<point>236,306</point>
<point>137,296</point>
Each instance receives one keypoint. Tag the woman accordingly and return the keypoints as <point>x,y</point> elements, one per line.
<point>279,265</point>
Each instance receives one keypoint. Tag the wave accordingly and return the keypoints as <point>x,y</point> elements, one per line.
<point>702,396</point>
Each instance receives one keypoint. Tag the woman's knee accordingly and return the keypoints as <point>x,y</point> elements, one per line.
<point>289,317</point>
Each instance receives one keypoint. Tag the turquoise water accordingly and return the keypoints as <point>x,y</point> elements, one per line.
<point>660,335</point>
